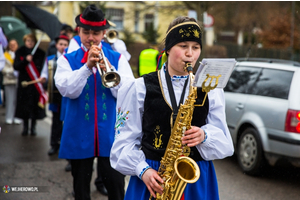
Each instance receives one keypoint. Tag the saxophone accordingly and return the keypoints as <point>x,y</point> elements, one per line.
<point>50,80</point>
<point>176,168</point>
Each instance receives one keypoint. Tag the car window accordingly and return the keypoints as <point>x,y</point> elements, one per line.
<point>272,83</point>
<point>242,78</point>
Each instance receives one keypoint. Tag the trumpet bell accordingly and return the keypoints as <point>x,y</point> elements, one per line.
<point>111,36</point>
<point>110,79</point>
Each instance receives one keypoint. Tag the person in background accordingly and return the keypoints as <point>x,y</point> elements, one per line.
<point>3,45</point>
<point>10,80</point>
<point>146,116</point>
<point>68,167</point>
<point>65,29</point>
<point>90,111</point>
<point>31,98</point>
<point>55,97</point>
<point>148,60</point>
<point>117,44</point>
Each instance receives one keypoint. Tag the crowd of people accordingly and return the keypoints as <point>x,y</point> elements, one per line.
<point>120,125</point>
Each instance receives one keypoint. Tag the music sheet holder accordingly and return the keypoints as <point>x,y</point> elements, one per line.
<point>214,67</point>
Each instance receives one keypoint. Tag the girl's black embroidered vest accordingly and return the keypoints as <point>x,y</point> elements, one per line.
<point>157,117</point>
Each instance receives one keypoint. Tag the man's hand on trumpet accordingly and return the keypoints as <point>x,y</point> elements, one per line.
<point>94,58</point>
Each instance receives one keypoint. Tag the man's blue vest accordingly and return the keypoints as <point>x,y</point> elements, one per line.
<point>77,39</point>
<point>89,120</point>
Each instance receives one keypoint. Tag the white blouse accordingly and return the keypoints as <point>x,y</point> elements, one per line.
<point>126,155</point>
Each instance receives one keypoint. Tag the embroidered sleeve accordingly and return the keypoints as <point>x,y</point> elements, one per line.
<point>121,120</point>
<point>143,171</point>
<point>126,155</point>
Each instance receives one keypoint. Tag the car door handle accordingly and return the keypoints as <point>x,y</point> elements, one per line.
<point>240,106</point>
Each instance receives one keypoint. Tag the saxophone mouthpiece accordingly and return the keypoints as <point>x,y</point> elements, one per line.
<point>188,67</point>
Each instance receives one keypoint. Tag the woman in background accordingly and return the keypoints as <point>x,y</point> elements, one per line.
<point>32,98</point>
<point>10,80</point>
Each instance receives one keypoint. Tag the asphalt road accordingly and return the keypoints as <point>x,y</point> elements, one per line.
<point>24,162</point>
<point>277,183</point>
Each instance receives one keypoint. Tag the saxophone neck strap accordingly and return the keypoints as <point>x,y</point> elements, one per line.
<point>172,94</point>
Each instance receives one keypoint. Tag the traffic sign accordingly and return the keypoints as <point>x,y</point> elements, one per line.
<point>208,20</point>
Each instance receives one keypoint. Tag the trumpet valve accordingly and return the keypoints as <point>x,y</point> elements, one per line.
<point>100,56</point>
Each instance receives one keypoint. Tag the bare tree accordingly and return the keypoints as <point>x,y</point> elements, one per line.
<point>279,32</point>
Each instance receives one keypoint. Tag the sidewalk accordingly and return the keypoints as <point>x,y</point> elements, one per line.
<point>24,162</point>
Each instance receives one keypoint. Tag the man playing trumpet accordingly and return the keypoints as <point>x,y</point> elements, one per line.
<point>90,112</point>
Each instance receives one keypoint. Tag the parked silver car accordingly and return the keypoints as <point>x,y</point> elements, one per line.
<point>263,112</point>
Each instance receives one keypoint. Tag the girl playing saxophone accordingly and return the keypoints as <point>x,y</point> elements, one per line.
<point>146,111</point>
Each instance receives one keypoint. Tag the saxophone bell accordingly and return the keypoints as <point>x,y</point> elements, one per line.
<point>186,171</point>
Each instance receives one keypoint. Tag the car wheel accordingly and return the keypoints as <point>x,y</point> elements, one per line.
<point>250,153</point>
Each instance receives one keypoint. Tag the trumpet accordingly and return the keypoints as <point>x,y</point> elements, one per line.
<point>111,36</point>
<point>109,77</point>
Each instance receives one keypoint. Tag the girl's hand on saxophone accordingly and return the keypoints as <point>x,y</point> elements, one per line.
<point>193,136</point>
<point>153,181</point>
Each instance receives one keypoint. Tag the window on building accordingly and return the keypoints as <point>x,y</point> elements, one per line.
<point>136,21</point>
<point>116,16</point>
<point>149,22</point>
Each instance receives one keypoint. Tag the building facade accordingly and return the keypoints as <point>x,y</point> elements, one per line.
<point>133,16</point>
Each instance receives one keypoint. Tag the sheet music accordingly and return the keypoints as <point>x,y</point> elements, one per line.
<point>214,67</point>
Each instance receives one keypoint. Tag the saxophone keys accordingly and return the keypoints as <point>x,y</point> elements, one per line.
<point>186,150</point>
